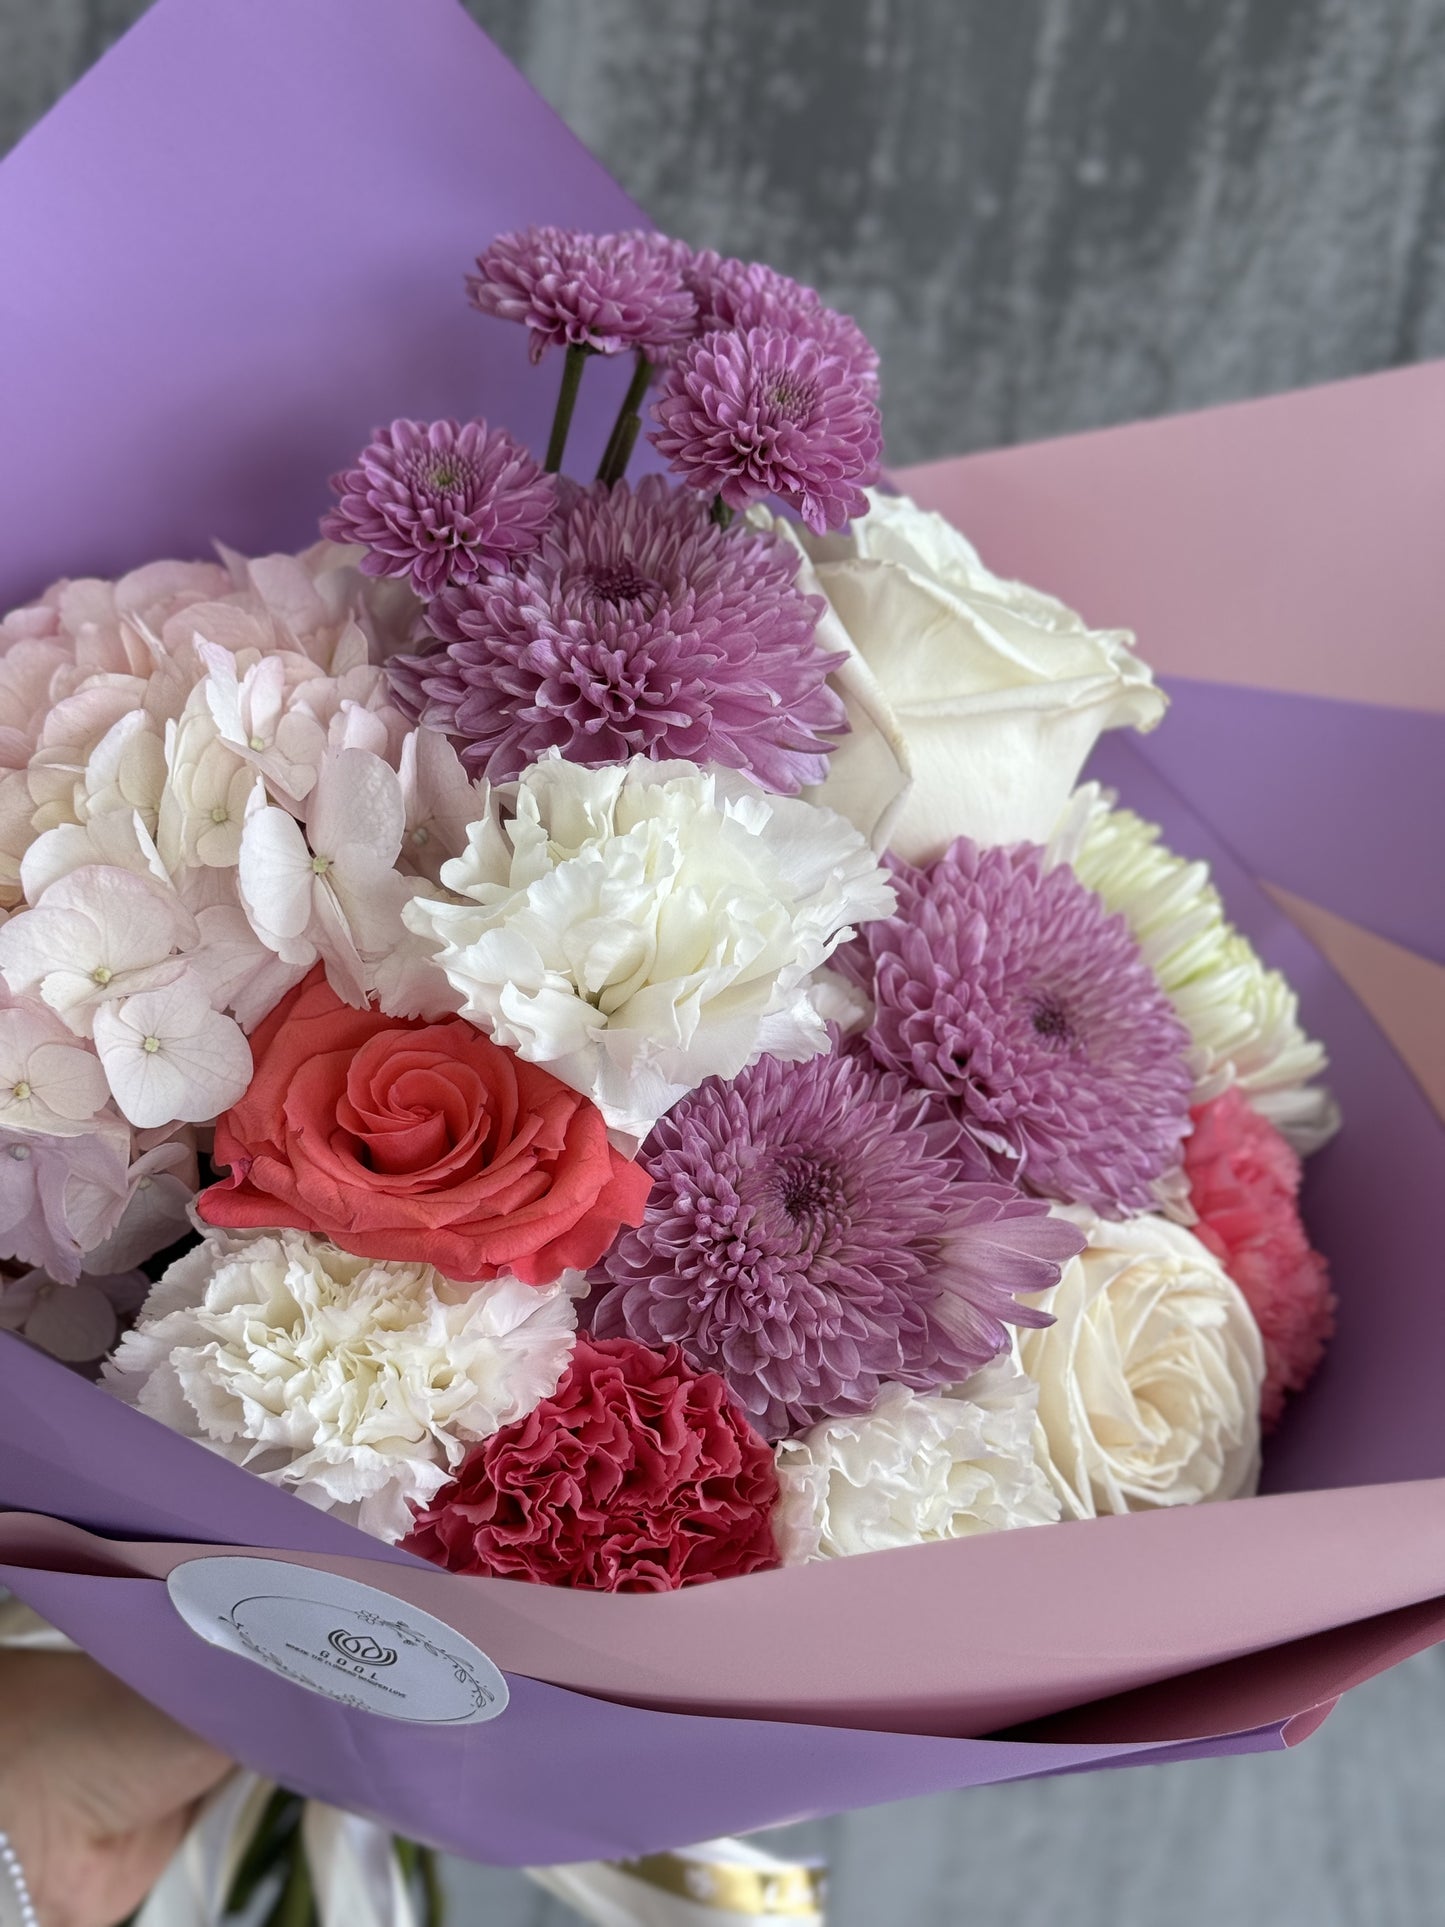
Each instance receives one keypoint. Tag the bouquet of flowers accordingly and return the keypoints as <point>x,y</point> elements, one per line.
<point>627,1178</point>
<point>594,1027</point>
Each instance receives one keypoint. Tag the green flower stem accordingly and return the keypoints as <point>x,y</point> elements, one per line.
<point>434,1900</point>
<point>297,1905</point>
<point>273,1834</point>
<point>721,513</point>
<point>572,367</point>
<point>627,427</point>
<point>626,442</point>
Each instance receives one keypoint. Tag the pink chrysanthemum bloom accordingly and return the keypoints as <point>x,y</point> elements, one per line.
<point>607,292</point>
<point>749,294</point>
<point>441,502</point>
<point>758,413</point>
<point>810,1236</point>
<point>639,628</point>
<point>1244,1182</point>
<point>1008,988</point>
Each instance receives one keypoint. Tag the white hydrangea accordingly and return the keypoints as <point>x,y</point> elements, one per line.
<point>356,1383</point>
<point>913,1469</point>
<point>1243,1017</point>
<point>640,927</point>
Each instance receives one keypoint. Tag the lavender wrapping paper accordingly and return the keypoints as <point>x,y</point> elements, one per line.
<point>271,202</point>
<point>560,1776</point>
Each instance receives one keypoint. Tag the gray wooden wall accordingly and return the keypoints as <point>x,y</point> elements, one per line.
<point>1050,214</point>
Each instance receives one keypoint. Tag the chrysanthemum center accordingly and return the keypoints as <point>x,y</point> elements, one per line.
<point>792,397</point>
<point>445,477</point>
<point>616,582</point>
<point>809,1187</point>
<point>1051,1021</point>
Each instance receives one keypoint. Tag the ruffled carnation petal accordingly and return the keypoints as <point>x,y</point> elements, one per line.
<point>637,1475</point>
<point>356,1384</point>
<point>1244,1182</point>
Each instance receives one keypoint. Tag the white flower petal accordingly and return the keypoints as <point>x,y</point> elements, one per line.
<point>276,876</point>
<point>355,1383</point>
<point>640,927</point>
<point>1149,1378</point>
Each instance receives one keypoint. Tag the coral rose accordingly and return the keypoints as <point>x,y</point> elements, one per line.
<point>637,1475</point>
<point>1244,1182</point>
<point>422,1142</point>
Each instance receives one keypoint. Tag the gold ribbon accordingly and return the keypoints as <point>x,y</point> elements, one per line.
<point>762,1893</point>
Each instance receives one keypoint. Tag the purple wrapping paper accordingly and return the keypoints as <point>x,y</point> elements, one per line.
<point>233,249</point>
<point>237,245</point>
<point>559,1776</point>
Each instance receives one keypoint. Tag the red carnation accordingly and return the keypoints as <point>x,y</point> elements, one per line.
<point>1244,1182</point>
<point>637,1475</point>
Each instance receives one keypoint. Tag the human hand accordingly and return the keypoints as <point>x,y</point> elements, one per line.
<point>97,1788</point>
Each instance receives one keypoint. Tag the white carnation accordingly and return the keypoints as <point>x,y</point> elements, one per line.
<point>357,1383</point>
<point>1243,1017</point>
<point>640,927</point>
<point>1149,1377</point>
<point>914,1469</point>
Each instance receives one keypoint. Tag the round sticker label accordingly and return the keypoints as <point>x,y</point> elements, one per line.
<point>339,1638</point>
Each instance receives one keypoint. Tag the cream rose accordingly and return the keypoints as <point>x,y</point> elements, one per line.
<point>972,701</point>
<point>1149,1378</point>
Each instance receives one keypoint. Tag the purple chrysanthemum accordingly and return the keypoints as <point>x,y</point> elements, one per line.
<point>608,292</point>
<point>758,413</point>
<point>749,294</point>
<point>1008,988</point>
<point>639,628</point>
<point>441,502</point>
<point>810,1237</point>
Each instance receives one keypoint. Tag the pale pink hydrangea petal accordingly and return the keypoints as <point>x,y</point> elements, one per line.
<point>440,801</point>
<point>162,1182</point>
<point>169,1056</point>
<point>75,1323</point>
<point>98,934</point>
<point>60,1196</point>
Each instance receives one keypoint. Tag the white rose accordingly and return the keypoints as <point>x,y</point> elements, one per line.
<point>973,702</point>
<point>643,926</point>
<point>914,1469</point>
<point>357,1383</point>
<point>1149,1378</point>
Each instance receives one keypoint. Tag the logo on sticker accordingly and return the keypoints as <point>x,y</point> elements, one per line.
<point>337,1637</point>
<point>361,1647</point>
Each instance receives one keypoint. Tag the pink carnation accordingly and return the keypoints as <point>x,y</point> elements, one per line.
<point>637,1475</point>
<point>1244,1182</point>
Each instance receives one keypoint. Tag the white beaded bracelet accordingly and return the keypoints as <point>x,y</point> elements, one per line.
<point>16,1907</point>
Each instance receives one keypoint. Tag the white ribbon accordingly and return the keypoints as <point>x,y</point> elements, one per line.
<point>355,1874</point>
<point>357,1879</point>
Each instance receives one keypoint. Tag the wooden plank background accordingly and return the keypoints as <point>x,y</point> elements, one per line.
<point>1049,214</point>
